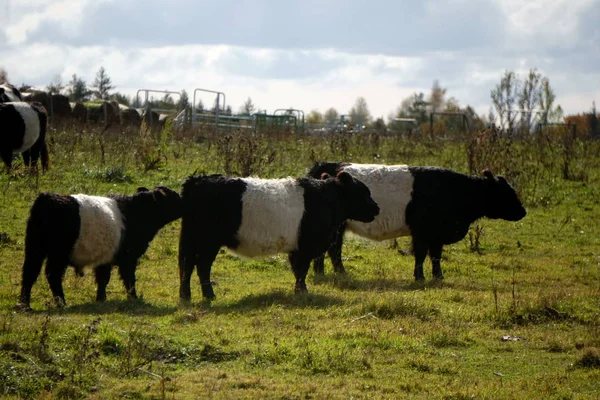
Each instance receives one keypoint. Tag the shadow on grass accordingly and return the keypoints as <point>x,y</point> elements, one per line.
<point>276,297</point>
<point>349,282</point>
<point>128,307</point>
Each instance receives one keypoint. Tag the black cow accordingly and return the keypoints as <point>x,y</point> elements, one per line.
<point>435,206</point>
<point>257,217</point>
<point>100,232</point>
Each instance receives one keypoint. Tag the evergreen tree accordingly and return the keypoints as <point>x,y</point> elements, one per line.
<point>102,85</point>
<point>184,100</point>
<point>121,98</point>
<point>78,90</point>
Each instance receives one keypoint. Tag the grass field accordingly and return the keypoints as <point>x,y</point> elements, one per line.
<point>372,333</point>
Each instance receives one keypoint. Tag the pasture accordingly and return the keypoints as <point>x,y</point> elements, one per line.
<point>517,316</point>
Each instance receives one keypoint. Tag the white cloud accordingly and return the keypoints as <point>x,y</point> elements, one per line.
<point>64,15</point>
<point>323,54</point>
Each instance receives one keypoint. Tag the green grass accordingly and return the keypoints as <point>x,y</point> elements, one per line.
<point>373,333</point>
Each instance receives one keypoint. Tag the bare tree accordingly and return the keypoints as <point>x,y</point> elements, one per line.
<point>55,86</point>
<point>360,114</point>
<point>437,97</point>
<point>331,116</point>
<point>528,99</point>
<point>3,76</point>
<point>504,99</point>
<point>248,107</point>
<point>524,103</point>
<point>545,101</point>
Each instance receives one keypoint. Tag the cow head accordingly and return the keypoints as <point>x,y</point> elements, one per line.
<point>360,205</point>
<point>3,97</point>
<point>167,203</point>
<point>501,199</point>
<point>9,93</point>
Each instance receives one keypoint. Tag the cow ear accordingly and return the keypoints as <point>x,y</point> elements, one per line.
<point>142,189</point>
<point>344,177</point>
<point>487,173</point>
<point>325,175</point>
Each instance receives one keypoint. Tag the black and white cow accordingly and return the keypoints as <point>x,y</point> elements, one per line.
<point>435,206</point>
<point>9,93</point>
<point>23,130</point>
<point>95,231</point>
<point>258,217</point>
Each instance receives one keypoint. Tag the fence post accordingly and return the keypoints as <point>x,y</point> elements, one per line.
<point>51,109</point>
<point>217,114</point>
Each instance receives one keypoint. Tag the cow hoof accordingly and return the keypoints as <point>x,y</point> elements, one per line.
<point>22,307</point>
<point>438,277</point>
<point>208,294</point>
<point>60,303</point>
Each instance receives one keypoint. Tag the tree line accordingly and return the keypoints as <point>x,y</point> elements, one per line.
<point>516,104</point>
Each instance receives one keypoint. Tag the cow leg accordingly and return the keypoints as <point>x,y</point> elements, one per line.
<point>6,155</point>
<point>300,265</point>
<point>204,262</point>
<point>186,268</point>
<point>102,273</point>
<point>27,158</point>
<point>319,265</point>
<point>55,272</point>
<point>127,273</point>
<point>420,248</point>
<point>335,250</point>
<point>31,270</point>
<point>32,156</point>
<point>435,253</point>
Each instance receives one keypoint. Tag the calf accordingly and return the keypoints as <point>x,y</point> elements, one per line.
<point>82,230</point>
<point>9,93</point>
<point>23,130</point>
<point>257,217</point>
<point>435,206</point>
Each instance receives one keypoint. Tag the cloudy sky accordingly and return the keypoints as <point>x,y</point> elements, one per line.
<point>310,54</point>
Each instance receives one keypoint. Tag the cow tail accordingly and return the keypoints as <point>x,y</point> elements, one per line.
<point>36,248</point>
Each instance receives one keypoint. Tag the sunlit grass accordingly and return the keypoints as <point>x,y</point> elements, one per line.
<point>372,333</point>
